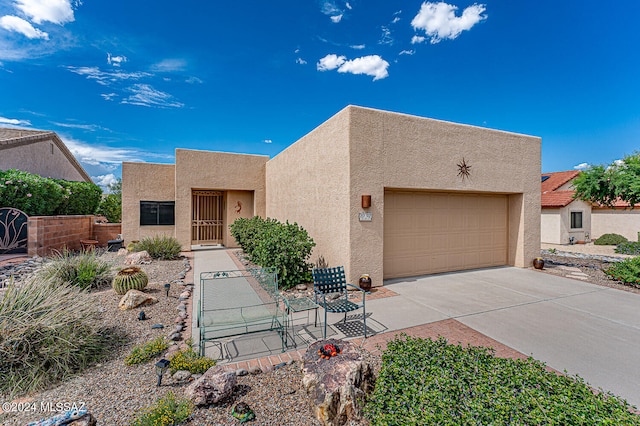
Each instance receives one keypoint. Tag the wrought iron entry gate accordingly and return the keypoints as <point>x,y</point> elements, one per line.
<point>207,217</point>
<point>13,231</point>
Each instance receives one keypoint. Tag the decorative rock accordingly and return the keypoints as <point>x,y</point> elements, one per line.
<point>291,362</point>
<point>255,370</point>
<point>138,258</point>
<point>214,386</point>
<point>183,315</point>
<point>175,337</point>
<point>336,385</point>
<point>185,294</point>
<point>196,376</point>
<point>182,275</point>
<point>179,320</point>
<point>178,328</point>
<point>241,372</point>
<point>181,376</point>
<point>135,298</point>
<point>156,326</point>
<point>122,252</point>
<point>277,366</point>
<point>142,316</point>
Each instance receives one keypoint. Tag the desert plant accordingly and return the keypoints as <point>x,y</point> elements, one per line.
<point>48,331</point>
<point>160,247</point>
<point>425,382</point>
<point>610,240</point>
<point>188,359</point>
<point>84,269</point>
<point>630,247</point>
<point>146,351</point>
<point>626,271</point>
<point>167,411</point>
<point>131,278</point>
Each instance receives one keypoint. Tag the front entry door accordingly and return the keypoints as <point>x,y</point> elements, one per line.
<point>206,217</point>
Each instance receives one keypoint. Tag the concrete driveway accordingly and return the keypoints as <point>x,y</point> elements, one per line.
<point>585,329</point>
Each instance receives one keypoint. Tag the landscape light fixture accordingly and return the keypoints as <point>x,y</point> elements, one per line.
<point>167,286</point>
<point>161,367</point>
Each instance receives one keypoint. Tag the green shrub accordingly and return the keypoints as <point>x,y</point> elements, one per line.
<point>48,331</point>
<point>34,195</point>
<point>610,240</point>
<point>160,247</point>
<point>167,411</point>
<point>272,244</point>
<point>630,247</point>
<point>189,360</point>
<point>626,271</point>
<point>78,197</point>
<point>84,270</point>
<point>424,382</point>
<point>111,208</point>
<point>147,351</point>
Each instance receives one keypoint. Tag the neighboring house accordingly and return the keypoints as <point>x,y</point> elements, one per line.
<point>39,152</point>
<point>386,194</point>
<point>563,217</point>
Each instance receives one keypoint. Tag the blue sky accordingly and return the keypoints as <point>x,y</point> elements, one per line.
<point>133,80</point>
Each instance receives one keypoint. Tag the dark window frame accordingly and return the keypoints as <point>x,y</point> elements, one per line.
<point>576,219</point>
<point>157,213</point>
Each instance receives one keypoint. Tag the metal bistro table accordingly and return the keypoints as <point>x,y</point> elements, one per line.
<point>293,306</point>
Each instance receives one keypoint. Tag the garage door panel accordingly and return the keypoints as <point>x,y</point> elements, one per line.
<point>428,233</point>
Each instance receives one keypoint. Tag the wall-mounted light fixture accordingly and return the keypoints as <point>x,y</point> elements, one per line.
<point>366,201</point>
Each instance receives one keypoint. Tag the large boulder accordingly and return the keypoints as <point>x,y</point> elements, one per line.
<point>337,385</point>
<point>138,258</point>
<point>214,386</point>
<point>135,298</point>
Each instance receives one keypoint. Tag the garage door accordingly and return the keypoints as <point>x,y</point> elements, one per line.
<point>427,232</point>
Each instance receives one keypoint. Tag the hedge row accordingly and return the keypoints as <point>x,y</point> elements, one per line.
<point>284,246</point>
<point>39,196</point>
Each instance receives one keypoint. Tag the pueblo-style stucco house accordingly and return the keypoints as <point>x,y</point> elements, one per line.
<point>386,194</point>
<point>39,152</point>
<point>566,220</point>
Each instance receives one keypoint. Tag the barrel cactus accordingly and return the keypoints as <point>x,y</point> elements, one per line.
<point>131,278</point>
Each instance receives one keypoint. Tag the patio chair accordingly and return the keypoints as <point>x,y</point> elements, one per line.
<point>330,292</point>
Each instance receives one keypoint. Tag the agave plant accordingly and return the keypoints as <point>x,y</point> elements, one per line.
<point>131,278</point>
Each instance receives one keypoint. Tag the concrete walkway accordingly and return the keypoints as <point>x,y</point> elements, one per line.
<point>570,325</point>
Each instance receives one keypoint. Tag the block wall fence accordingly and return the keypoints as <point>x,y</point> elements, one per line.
<point>49,233</point>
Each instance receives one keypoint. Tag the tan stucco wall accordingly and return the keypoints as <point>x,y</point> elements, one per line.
<point>215,171</point>
<point>308,183</point>
<point>145,182</point>
<point>390,150</point>
<point>42,158</point>
<point>238,204</point>
<point>319,180</point>
<point>623,222</point>
<point>556,223</point>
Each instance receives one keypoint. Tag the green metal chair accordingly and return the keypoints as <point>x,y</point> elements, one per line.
<point>331,282</point>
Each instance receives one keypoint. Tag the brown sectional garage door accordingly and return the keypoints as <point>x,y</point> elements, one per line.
<point>430,232</point>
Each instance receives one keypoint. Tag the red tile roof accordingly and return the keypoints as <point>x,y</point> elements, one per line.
<point>556,198</point>
<point>557,179</point>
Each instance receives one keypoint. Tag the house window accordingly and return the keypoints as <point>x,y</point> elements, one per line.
<point>157,212</point>
<point>576,220</point>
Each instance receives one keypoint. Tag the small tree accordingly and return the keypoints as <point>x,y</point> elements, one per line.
<point>111,204</point>
<point>607,184</point>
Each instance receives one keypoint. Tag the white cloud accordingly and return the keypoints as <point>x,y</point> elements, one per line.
<point>100,155</point>
<point>386,36</point>
<point>357,46</point>
<point>348,5</point>
<point>581,166</point>
<point>116,61</point>
<point>55,11</point>
<point>108,96</point>
<point>440,22</point>
<point>106,77</point>
<point>407,52</point>
<point>89,127</point>
<point>14,121</point>
<point>330,62</point>
<point>104,180</point>
<point>395,20</point>
<point>194,80</point>
<point>169,65</point>
<point>301,61</point>
<point>372,65</point>
<point>336,18</point>
<point>145,95</point>
<point>19,25</point>
<point>267,141</point>
<point>417,39</point>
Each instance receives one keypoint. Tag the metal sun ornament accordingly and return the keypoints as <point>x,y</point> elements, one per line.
<point>464,170</point>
